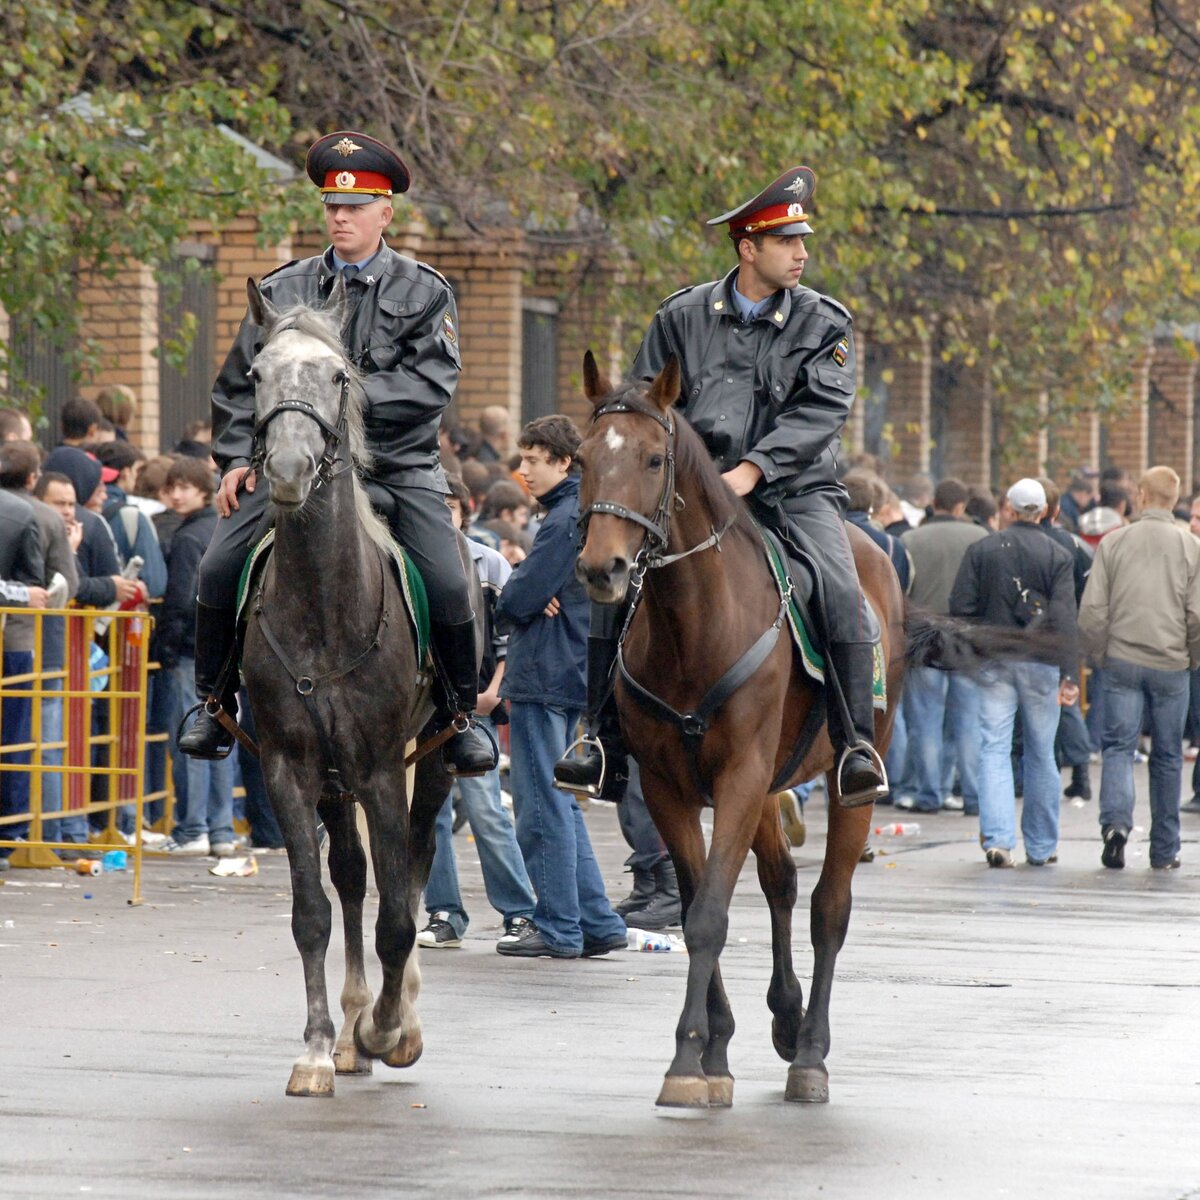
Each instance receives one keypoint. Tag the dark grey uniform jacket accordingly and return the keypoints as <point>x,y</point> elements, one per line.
<point>402,336</point>
<point>772,391</point>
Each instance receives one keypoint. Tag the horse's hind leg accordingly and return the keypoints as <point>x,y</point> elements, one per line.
<point>777,877</point>
<point>348,871</point>
<point>808,1079</point>
<point>312,918</point>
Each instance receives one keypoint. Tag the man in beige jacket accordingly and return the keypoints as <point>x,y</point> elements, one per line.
<point>1140,619</point>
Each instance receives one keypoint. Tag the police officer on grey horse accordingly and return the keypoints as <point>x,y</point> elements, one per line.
<point>401,332</point>
<point>768,378</point>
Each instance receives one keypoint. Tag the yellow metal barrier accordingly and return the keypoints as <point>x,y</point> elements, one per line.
<point>103,734</point>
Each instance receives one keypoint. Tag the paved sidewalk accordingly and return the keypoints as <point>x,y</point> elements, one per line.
<point>1022,1033</point>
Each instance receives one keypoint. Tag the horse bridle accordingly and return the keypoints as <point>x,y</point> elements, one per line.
<point>335,434</point>
<point>658,527</point>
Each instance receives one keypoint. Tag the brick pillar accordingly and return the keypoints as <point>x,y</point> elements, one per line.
<point>121,316</point>
<point>1073,442</point>
<point>908,409</point>
<point>1172,411</point>
<point>1129,425</point>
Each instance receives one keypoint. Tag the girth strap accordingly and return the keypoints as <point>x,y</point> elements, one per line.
<point>695,724</point>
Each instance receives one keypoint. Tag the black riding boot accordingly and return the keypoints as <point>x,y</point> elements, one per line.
<point>599,774</point>
<point>644,885</point>
<point>861,777</point>
<point>216,632</point>
<point>468,752</point>
<point>1080,785</point>
<point>665,907</point>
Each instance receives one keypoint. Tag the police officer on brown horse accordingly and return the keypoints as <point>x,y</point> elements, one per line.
<point>401,332</point>
<point>768,378</point>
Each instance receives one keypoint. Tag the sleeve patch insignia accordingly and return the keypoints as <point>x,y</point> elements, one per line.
<point>448,327</point>
<point>841,352</point>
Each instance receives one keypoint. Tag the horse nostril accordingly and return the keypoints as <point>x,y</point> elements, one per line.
<point>618,566</point>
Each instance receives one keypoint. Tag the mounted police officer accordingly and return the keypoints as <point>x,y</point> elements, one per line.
<point>768,378</point>
<point>402,335</point>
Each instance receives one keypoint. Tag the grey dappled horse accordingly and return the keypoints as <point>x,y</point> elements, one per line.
<point>331,667</point>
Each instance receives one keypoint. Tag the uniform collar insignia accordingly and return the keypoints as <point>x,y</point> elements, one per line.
<point>778,317</point>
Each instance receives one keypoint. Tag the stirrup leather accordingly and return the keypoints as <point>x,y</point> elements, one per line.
<point>868,795</point>
<point>592,790</point>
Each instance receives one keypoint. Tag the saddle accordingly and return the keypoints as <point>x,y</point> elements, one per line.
<point>792,568</point>
<point>412,587</point>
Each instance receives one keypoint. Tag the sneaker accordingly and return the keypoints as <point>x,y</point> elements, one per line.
<point>1042,862</point>
<point>908,803</point>
<point>1113,854</point>
<point>514,930</point>
<point>198,846</point>
<point>1173,865</point>
<point>997,856</point>
<point>439,933</point>
<point>594,947</point>
<point>531,944</point>
<point>4,863</point>
<point>1192,806</point>
<point>226,849</point>
<point>952,803</point>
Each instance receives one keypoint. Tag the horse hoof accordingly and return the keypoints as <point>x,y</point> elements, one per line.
<point>367,1040</point>
<point>408,1050</point>
<point>684,1091</point>
<point>347,1060</point>
<point>720,1091</point>
<point>308,1080</point>
<point>807,1085</point>
<point>785,1048</point>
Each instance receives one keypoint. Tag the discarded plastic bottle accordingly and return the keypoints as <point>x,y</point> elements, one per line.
<point>115,860</point>
<point>87,866</point>
<point>898,829</point>
<point>649,942</point>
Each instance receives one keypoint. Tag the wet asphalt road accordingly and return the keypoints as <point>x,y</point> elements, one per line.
<point>1024,1033</point>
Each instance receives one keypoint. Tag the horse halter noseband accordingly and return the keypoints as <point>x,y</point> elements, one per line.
<point>335,434</point>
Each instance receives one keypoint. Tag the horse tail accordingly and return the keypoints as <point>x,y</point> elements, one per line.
<point>955,644</point>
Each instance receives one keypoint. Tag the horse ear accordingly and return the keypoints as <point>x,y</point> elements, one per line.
<point>264,313</point>
<point>337,304</point>
<point>595,386</point>
<point>664,391</point>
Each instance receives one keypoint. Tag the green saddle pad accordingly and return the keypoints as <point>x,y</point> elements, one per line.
<point>810,656</point>
<point>412,587</point>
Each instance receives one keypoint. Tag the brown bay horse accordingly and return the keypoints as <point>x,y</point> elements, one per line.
<point>698,614</point>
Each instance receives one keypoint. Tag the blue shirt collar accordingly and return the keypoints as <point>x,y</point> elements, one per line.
<point>340,263</point>
<point>748,309</point>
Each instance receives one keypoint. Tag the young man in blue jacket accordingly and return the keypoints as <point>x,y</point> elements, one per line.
<point>545,683</point>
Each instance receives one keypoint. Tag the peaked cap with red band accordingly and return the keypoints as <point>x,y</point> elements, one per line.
<point>780,208</point>
<point>351,168</point>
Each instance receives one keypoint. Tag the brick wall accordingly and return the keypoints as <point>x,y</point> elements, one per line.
<point>967,427</point>
<point>1172,411</point>
<point>1128,443</point>
<point>908,409</point>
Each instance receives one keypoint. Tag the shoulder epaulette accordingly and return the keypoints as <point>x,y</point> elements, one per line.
<point>433,271</point>
<point>280,270</point>
<point>836,305</point>
<point>681,292</point>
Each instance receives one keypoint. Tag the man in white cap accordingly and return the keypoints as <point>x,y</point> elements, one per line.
<point>1020,578</point>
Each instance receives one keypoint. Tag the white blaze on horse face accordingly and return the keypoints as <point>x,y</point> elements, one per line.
<point>614,441</point>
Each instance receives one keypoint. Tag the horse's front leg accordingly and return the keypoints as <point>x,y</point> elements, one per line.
<point>777,877</point>
<point>706,1023</point>
<point>348,871</point>
<point>379,1029</point>
<point>312,918</point>
<point>808,1079</point>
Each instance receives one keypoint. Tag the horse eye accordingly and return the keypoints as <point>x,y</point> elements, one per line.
<point>340,377</point>
<point>655,462</point>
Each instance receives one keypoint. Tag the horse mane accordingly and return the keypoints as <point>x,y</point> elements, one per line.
<point>321,324</point>
<point>693,462</point>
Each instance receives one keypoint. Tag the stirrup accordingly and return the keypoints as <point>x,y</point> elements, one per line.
<point>591,790</point>
<point>868,795</point>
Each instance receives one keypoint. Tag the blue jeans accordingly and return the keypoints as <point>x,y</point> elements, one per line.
<point>1004,690</point>
<point>64,829</point>
<point>897,761</point>
<point>571,902</point>
<point>207,804</point>
<point>264,827</point>
<point>504,876</point>
<point>941,712</point>
<point>16,728</point>
<point>1130,693</point>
